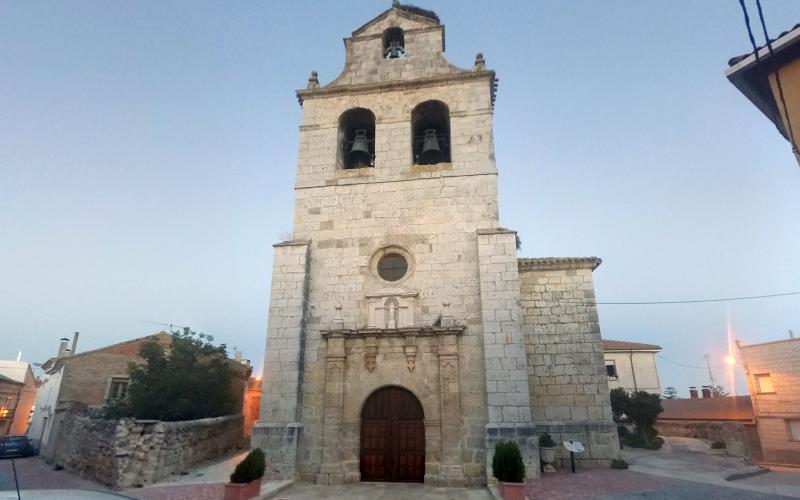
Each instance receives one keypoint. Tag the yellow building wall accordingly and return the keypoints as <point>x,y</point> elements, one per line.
<point>790,82</point>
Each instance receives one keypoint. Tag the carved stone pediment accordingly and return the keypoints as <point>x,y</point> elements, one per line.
<point>391,307</point>
<point>392,291</point>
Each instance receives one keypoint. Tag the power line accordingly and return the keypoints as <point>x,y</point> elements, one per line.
<point>696,301</point>
<point>688,366</point>
<point>777,76</point>
<point>776,115</point>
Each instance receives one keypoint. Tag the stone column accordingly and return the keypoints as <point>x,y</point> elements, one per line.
<point>507,392</point>
<point>278,429</point>
<point>452,468</point>
<point>331,471</point>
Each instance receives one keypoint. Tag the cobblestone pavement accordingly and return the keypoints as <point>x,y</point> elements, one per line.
<point>383,491</point>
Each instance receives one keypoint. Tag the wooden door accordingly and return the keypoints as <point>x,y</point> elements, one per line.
<point>392,437</point>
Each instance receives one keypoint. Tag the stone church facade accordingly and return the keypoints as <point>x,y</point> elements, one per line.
<point>405,335</point>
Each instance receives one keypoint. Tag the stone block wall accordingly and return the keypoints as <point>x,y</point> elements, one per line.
<point>566,369</point>
<point>776,411</point>
<point>126,453</point>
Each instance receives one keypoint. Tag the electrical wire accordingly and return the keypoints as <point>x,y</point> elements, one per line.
<point>577,301</point>
<point>687,366</point>
<point>777,77</point>
<point>776,119</point>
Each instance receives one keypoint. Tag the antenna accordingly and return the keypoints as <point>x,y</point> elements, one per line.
<point>170,325</point>
<point>710,375</point>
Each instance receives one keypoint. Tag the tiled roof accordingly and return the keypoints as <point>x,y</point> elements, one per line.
<point>722,408</point>
<point>734,60</point>
<point>623,345</point>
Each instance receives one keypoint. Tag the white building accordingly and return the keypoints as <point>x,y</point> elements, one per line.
<point>631,366</point>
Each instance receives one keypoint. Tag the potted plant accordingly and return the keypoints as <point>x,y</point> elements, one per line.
<point>246,478</point>
<point>547,451</point>
<point>508,468</point>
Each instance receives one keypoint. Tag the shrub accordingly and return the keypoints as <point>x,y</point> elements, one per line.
<point>619,464</point>
<point>507,465</point>
<point>249,469</point>
<point>546,441</point>
<point>638,440</point>
<point>717,445</point>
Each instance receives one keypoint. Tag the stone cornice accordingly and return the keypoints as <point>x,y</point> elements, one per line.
<point>420,331</point>
<point>558,263</point>
<point>366,88</point>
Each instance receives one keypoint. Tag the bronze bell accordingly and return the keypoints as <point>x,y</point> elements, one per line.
<point>394,50</point>
<point>359,153</point>
<point>431,153</point>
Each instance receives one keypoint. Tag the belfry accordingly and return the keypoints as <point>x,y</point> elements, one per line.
<point>405,336</point>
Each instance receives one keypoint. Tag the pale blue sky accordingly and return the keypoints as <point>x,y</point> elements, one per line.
<point>147,157</point>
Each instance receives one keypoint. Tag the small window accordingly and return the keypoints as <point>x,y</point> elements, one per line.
<point>764,384</point>
<point>118,389</point>
<point>611,368</point>
<point>794,429</point>
<point>392,267</point>
<point>394,45</point>
<point>430,125</point>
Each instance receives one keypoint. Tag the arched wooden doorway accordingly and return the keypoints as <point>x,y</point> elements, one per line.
<point>392,437</point>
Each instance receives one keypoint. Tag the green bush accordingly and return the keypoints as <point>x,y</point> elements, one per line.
<point>638,440</point>
<point>619,464</point>
<point>718,445</point>
<point>507,465</point>
<point>249,469</point>
<point>546,441</point>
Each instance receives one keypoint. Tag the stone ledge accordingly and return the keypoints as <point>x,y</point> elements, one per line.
<point>558,263</point>
<point>422,331</point>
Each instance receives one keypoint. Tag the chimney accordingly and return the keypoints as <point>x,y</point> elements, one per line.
<point>706,391</point>
<point>74,343</point>
<point>62,348</point>
<point>791,334</point>
<point>237,355</point>
<point>693,392</point>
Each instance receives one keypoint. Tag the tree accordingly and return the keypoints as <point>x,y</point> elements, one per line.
<point>718,391</point>
<point>189,379</point>
<point>643,410</point>
<point>670,393</point>
<point>619,401</point>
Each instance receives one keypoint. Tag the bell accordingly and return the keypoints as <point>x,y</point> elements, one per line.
<point>359,153</point>
<point>394,50</point>
<point>431,153</point>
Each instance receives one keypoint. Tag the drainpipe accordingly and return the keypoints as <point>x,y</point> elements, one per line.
<point>633,372</point>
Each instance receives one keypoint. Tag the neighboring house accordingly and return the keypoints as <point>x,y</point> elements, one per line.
<point>757,79</point>
<point>17,394</point>
<point>85,381</point>
<point>631,366</point>
<point>773,377</point>
<point>252,404</point>
<point>729,419</point>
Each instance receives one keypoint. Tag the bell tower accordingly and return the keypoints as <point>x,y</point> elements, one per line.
<point>397,274</point>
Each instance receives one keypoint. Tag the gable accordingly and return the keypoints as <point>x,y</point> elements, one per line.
<point>395,17</point>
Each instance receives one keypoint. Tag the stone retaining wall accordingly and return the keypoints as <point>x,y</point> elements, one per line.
<point>125,453</point>
<point>733,434</point>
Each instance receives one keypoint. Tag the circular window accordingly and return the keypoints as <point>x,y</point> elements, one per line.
<point>392,267</point>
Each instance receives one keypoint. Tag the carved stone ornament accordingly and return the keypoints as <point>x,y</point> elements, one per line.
<point>391,307</point>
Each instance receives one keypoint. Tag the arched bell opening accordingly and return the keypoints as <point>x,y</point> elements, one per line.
<point>392,436</point>
<point>356,139</point>
<point>430,125</point>
<point>394,44</point>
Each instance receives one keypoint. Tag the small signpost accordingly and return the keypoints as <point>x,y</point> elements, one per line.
<point>573,447</point>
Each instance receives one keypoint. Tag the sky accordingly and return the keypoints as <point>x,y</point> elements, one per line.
<point>148,152</point>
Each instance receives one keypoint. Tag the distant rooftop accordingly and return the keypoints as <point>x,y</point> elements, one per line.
<point>624,345</point>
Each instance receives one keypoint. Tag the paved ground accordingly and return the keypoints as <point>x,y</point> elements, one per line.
<point>33,473</point>
<point>384,491</point>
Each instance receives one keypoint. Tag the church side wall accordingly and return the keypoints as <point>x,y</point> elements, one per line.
<point>567,378</point>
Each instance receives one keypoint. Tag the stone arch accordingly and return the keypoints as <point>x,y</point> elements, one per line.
<point>356,139</point>
<point>430,133</point>
<point>392,445</point>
